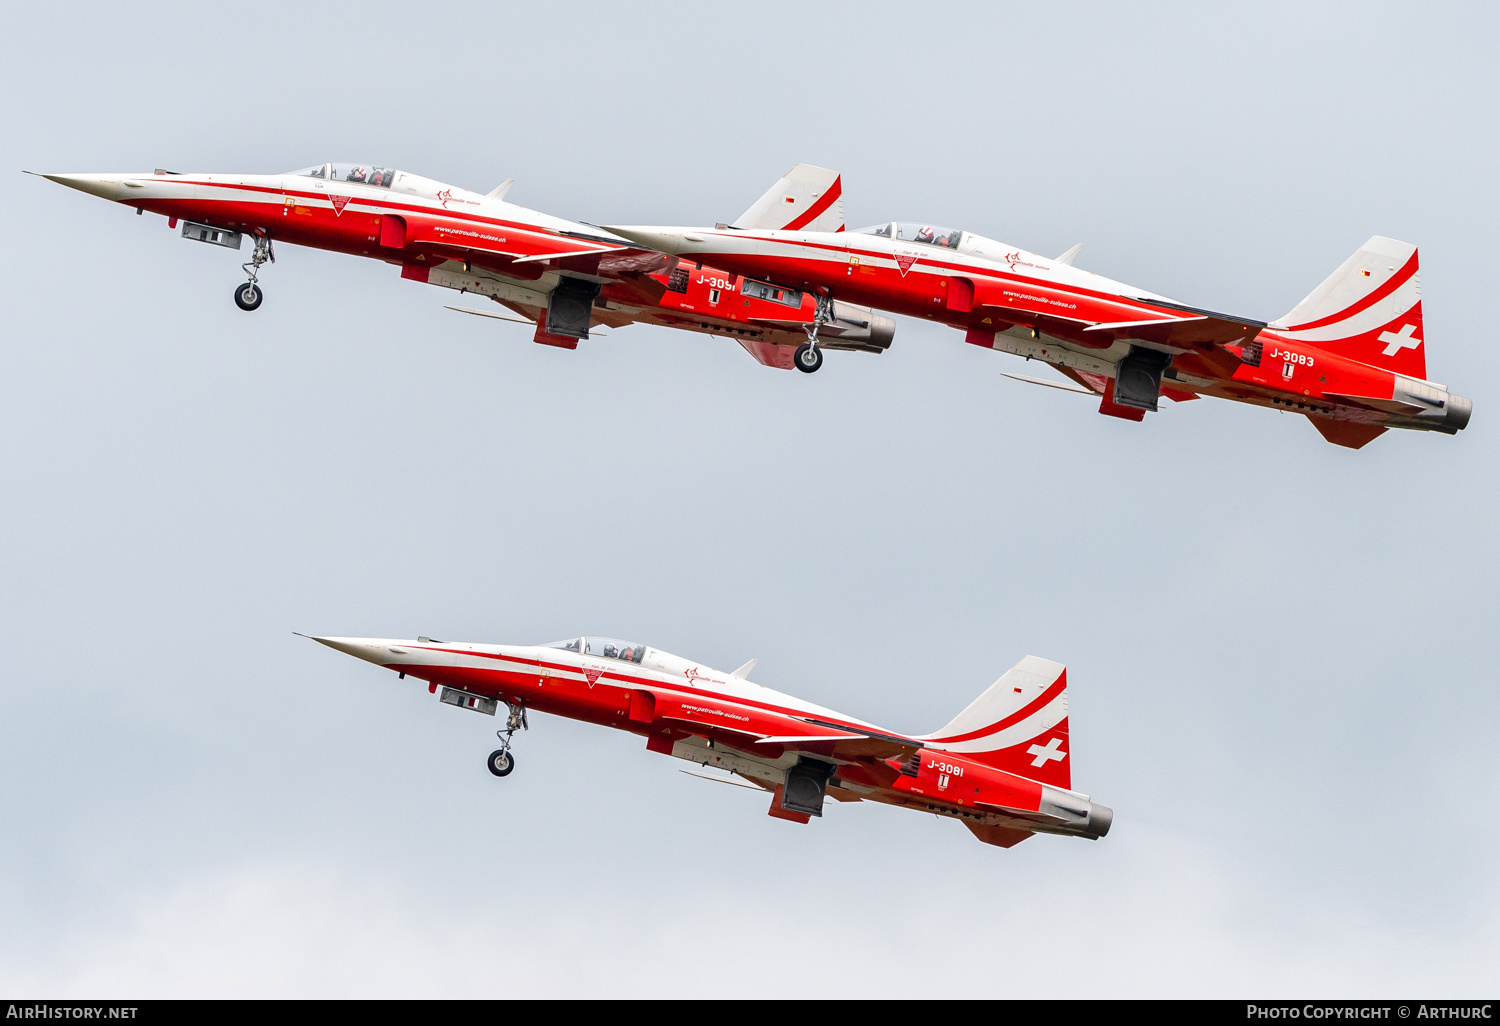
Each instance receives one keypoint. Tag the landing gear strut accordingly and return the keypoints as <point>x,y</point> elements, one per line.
<point>501,761</point>
<point>249,295</point>
<point>808,357</point>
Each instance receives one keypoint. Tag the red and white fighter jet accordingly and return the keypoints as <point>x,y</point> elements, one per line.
<point>1001,767</point>
<point>1350,356</point>
<point>565,277</point>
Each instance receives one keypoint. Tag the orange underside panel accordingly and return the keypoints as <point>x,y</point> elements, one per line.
<point>1350,436</point>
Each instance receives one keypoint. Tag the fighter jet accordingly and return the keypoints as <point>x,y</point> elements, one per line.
<point>563,277</point>
<point>1002,767</point>
<point>1350,357</point>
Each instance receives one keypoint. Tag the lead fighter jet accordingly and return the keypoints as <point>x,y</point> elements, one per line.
<point>1350,357</point>
<point>1001,767</point>
<point>565,277</point>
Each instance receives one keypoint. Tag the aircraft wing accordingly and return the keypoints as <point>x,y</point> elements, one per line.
<point>843,741</point>
<point>816,737</point>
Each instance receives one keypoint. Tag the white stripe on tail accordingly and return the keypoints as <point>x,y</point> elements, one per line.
<point>807,198</point>
<point>1020,724</point>
<point>1370,310</point>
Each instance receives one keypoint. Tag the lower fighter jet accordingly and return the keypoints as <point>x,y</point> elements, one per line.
<point>1001,767</point>
<point>1351,357</point>
<point>564,277</point>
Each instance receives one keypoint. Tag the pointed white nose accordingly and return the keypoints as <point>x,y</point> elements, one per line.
<point>663,240</point>
<point>101,185</point>
<point>372,650</point>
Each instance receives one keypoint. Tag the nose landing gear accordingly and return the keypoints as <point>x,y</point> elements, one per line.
<point>249,295</point>
<point>501,762</point>
<point>808,357</point>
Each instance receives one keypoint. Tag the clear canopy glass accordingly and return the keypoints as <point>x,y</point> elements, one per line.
<point>883,230</point>
<point>614,648</point>
<point>367,174</point>
<point>915,231</point>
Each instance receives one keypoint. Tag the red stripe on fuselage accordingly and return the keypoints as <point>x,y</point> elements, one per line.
<point>384,204</point>
<point>927,264</point>
<point>630,681</point>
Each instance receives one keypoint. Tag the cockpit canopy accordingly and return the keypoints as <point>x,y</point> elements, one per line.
<point>606,648</point>
<point>916,231</point>
<point>368,174</point>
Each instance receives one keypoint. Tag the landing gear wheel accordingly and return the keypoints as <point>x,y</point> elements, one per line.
<point>248,296</point>
<point>807,358</point>
<point>501,762</point>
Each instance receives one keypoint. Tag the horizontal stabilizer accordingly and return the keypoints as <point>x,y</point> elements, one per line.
<point>1003,837</point>
<point>1342,432</point>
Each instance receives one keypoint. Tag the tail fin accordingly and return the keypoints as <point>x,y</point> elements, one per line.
<point>807,198</point>
<point>1370,310</point>
<point>1019,725</point>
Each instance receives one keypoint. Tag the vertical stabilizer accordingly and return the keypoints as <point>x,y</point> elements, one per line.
<point>1370,310</point>
<point>1020,724</point>
<point>807,198</point>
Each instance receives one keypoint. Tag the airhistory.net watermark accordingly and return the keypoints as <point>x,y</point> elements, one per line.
<point>49,1011</point>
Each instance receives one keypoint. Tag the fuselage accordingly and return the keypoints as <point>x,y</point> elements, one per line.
<point>451,237</point>
<point>1006,298</point>
<point>717,719</point>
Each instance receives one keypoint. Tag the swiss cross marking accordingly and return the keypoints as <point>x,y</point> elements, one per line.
<point>1397,341</point>
<point>1048,754</point>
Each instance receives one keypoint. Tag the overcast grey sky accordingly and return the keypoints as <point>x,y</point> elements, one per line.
<point>1282,653</point>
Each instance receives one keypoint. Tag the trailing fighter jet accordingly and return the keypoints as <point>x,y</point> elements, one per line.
<point>1350,356</point>
<point>1001,767</point>
<point>564,277</point>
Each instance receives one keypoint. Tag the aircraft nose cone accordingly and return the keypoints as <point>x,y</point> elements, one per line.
<point>664,240</point>
<point>101,185</point>
<point>372,650</point>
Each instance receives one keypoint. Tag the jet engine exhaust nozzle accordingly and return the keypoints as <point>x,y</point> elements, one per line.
<point>1459,410</point>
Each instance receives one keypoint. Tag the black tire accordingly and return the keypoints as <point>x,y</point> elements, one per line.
<point>807,358</point>
<point>248,296</point>
<point>501,762</point>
